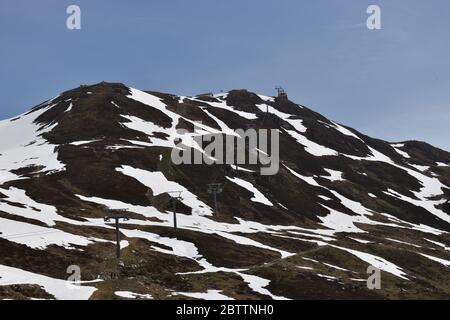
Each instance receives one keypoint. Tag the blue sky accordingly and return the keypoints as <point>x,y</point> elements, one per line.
<point>391,83</point>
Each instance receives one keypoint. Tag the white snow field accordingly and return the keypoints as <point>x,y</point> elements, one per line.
<point>22,145</point>
<point>133,295</point>
<point>37,237</point>
<point>60,289</point>
<point>209,295</point>
<point>257,195</point>
<point>159,184</point>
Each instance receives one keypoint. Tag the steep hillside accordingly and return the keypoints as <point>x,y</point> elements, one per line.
<point>340,202</point>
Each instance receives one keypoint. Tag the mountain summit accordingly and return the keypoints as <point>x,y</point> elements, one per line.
<point>340,202</point>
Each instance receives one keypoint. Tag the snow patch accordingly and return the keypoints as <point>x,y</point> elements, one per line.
<point>60,289</point>
<point>311,147</point>
<point>133,295</point>
<point>159,184</point>
<point>208,295</point>
<point>377,262</point>
<point>441,261</point>
<point>37,237</point>
<point>257,195</point>
<point>334,175</point>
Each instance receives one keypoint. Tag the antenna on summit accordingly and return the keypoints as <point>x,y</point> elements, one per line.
<point>282,95</point>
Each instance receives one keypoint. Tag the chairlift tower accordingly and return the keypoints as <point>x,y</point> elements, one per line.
<point>215,189</point>
<point>175,196</point>
<point>117,219</point>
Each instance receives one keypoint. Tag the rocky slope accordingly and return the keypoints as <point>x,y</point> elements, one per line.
<point>340,202</point>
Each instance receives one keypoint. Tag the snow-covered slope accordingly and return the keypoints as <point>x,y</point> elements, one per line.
<point>340,202</point>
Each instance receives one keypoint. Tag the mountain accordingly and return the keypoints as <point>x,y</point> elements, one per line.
<point>339,203</point>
